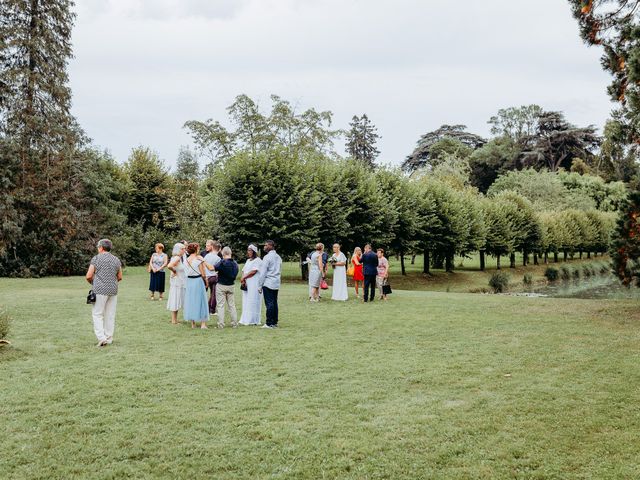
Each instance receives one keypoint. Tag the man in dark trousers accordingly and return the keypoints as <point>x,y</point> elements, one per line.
<point>270,282</point>
<point>370,270</point>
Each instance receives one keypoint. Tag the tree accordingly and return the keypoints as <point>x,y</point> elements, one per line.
<point>515,123</point>
<point>615,26</point>
<point>256,132</point>
<point>491,160</point>
<point>421,156</point>
<point>556,143</point>
<point>616,160</point>
<point>361,140</point>
<point>625,245</point>
<point>150,188</point>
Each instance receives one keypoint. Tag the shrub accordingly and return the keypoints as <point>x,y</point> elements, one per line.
<point>587,270</point>
<point>528,279</point>
<point>577,272</point>
<point>5,319</point>
<point>499,282</point>
<point>551,273</point>
<point>565,272</point>
<point>605,269</point>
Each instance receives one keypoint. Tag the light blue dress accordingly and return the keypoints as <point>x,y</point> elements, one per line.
<point>196,308</point>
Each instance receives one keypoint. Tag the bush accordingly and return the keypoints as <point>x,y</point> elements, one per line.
<point>499,281</point>
<point>5,319</point>
<point>551,273</point>
<point>577,272</point>
<point>565,273</point>
<point>528,279</point>
<point>605,269</point>
<point>587,270</point>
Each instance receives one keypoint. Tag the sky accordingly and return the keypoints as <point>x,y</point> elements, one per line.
<point>144,67</point>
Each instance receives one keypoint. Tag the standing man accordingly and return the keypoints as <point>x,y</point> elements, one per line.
<point>227,273</point>
<point>370,269</point>
<point>270,283</point>
<point>211,261</point>
<point>105,271</point>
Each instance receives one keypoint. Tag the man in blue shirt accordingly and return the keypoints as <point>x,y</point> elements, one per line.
<point>369,262</point>
<point>270,282</point>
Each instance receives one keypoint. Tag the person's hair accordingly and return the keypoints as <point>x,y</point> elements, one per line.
<point>252,254</point>
<point>177,248</point>
<point>105,244</point>
<point>209,242</point>
<point>217,245</point>
<point>367,245</point>
<point>356,250</point>
<point>271,243</point>
<point>336,245</point>
<point>381,250</point>
<point>319,246</point>
<point>226,252</point>
<point>160,246</point>
<point>193,248</point>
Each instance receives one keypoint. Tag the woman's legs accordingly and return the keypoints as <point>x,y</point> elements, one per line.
<point>174,317</point>
<point>356,282</point>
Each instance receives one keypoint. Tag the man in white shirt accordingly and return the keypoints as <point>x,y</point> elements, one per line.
<point>270,282</point>
<point>211,261</point>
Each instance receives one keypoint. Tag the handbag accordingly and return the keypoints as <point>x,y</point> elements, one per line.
<point>243,287</point>
<point>351,270</point>
<point>386,289</point>
<point>324,285</point>
<point>91,298</point>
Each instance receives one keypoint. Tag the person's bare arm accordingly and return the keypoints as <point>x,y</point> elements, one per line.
<point>90,273</point>
<point>172,265</point>
<point>166,261</point>
<point>249,275</point>
<point>119,276</point>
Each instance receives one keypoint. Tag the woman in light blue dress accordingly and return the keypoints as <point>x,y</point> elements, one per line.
<point>196,308</point>
<point>316,272</point>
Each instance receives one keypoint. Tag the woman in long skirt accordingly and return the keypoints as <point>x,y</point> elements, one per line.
<point>316,272</point>
<point>177,282</point>
<point>157,264</point>
<point>251,295</point>
<point>339,262</point>
<point>196,308</point>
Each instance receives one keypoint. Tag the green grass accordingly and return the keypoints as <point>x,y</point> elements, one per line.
<point>428,385</point>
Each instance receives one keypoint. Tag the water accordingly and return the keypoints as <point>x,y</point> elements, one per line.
<point>594,287</point>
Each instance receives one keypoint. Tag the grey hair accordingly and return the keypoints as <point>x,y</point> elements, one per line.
<point>105,244</point>
<point>226,252</point>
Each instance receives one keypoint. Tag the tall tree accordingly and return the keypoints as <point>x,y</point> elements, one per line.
<point>421,156</point>
<point>515,123</point>
<point>362,137</point>
<point>556,143</point>
<point>615,26</point>
<point>625,247</point>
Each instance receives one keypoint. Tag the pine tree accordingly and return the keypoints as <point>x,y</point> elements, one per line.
<point>625,247</point>
<point>361,140</point>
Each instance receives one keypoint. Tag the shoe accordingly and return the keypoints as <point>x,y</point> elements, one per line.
<point>220,326</point>
<point>102,343</point>
<point>215,314</point>
<point>109,340</point>
<point>267,326</point>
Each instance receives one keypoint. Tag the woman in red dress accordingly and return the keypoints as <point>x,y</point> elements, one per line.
<point>358,276</point>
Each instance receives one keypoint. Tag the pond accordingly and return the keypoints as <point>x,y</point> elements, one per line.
<point>595,287</point>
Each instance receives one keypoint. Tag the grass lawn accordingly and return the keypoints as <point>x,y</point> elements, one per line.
<point>428,385</point>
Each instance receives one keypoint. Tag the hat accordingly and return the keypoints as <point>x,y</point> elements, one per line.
<point>253,247</point>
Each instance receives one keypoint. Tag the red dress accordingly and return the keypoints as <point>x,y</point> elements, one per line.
<point>358,276</point>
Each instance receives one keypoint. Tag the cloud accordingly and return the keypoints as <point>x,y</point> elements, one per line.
<point>161,9</point>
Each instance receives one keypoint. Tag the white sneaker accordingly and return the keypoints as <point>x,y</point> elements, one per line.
<point>267,326</point>
<point>109,340</point>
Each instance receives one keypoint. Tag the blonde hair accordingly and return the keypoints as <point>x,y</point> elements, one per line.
<point>319,246</point>
<point>160,246</point>
<point>357,251</point>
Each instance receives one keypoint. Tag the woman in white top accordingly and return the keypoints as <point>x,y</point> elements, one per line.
<point>339,262</point>
<point>177,282</point>
<point>251,293</point>
<point>196,308</point>
<point>157,264</point>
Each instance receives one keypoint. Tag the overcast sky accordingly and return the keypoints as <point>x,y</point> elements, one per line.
<point>144,67</point>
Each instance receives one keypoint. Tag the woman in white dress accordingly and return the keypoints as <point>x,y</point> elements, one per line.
<point>177,282</point>
<point>251,294</point>
<point>339,263</point>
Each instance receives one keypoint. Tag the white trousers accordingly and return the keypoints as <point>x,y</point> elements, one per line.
<point>104,316</point>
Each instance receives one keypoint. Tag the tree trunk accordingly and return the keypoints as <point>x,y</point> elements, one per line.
<point>555,257</point>
<point>438,260</point>
<point>564,256</point>
<point>482,266</point>
<point>426,262</point>
<point>497,262</point>
<point>535,258</point>
<point>512,260</point>
<point>449,262</point>
<point>525,258</point>
<point>304,267</point>
<point>588,254</point>
<point>546,257</point>
<point>580,255</point>
<point>402,269</point>
<point>413,259</point>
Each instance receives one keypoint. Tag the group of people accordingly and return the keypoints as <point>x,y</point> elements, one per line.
<point>192,273</point>
<point>369,268</point>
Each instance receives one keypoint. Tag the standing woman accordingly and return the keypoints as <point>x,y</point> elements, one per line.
<point>339,262</point>
<point>196,308</point>
<point>251,292</point>
<point>177,282</point>
<point>316,272</point>
<point>358,275</point>
<point>157,264</point>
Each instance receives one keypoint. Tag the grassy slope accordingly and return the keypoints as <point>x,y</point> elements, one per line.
<point>414,388</point>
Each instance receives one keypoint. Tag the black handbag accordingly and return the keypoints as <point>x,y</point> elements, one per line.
<point>386,289</point>
<point>91,298</point>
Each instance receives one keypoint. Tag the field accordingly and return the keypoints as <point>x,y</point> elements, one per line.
<point>431,384</point>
